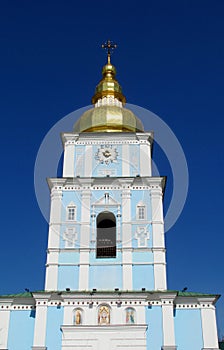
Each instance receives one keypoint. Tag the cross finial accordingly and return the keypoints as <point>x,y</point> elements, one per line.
<point>109,46</point>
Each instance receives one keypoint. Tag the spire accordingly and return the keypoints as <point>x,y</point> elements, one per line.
<point>108,86</point>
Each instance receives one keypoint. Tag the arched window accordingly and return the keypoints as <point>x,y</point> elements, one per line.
<point>130,315</point>
<point>104,315</point>
<point>106,235</point>
<point>77,317</point>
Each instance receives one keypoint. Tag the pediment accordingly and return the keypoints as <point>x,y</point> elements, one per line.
<point>106,200</point>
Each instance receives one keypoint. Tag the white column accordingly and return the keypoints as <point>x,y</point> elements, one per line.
<point>40,324</point>
<point>4,324</point>
<point>85,240</point>
<point>68,164</point>
<point>51,279</point>
<point>126,237</point>
<point>125,160</point>
<point>209,327</point>
<point>168,325</point>
<point>158,239</point>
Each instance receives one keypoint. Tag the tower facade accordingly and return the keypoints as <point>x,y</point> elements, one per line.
<point>106,212</point>
<point>105,285</point>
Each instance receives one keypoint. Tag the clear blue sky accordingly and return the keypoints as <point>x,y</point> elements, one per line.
<point>169,60</point>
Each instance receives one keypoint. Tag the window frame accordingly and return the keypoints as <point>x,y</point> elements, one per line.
<point>69,207</point>
<point>141,211</point>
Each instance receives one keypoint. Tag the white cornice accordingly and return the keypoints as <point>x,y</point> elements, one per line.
<point>134,183</point>
<point>68,136</point>
<point>96,138</point>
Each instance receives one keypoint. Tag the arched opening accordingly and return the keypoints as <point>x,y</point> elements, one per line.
<point>106,235</point>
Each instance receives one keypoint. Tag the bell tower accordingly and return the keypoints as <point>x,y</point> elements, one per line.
<point>106,225</point>
<point>105,286</point>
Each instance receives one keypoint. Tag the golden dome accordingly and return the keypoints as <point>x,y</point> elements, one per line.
<point>108,114</point>
<point>108,119</point>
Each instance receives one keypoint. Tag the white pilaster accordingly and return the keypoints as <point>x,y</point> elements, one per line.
<point>209,327</point>
<point>145,160</point>
<point>51,278</point>
<point>40,324</point>
<point>168,324</point>
<point>126,236</point>
<point>4,324</point>
<point>85,240</point>
<point>158,239</point>
<point>67,317</point>
<point>68,164</point>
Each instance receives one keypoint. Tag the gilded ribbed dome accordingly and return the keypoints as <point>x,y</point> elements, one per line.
<point>108,114</point>
<point>108,119</point>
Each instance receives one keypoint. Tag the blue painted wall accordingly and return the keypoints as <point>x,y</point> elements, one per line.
<point>143,277</point>
<point>21,330</point>
<point>69,257</point>
<point>188,329</point>
<point>53,333</point>
<point>105,277</point>
<point>142,256</point>
<point>154,333</point>
<point>68,277</point>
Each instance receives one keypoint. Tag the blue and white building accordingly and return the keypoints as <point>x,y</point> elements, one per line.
<point>106,286</point>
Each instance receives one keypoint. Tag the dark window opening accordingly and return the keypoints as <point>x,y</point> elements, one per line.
<point>106,235</point>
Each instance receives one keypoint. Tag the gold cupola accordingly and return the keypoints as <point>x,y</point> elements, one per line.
<point>108,114</point>
<point>108,86</point>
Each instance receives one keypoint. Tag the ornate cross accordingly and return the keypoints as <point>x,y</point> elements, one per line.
<point>109,46</point>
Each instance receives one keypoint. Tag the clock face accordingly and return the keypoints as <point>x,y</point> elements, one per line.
<point>107,154</point>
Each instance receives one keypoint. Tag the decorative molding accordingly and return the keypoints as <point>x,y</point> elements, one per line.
<point>142,235</point>
<point>70,237</point>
